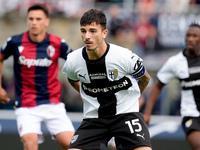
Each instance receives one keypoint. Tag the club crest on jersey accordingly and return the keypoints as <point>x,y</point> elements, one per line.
<point>50,50</point>
<point>74,138</point>
<point>113,74</point>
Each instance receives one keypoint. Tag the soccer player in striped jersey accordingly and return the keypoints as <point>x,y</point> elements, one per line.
<point>184,66</point>
<point>37,88</point>
<point>110,80</point>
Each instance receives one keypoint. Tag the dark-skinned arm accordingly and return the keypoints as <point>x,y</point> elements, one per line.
<point>152,99</point>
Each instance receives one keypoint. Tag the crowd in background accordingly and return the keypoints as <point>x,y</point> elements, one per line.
<point>149,26</point>
<point>137,21</point>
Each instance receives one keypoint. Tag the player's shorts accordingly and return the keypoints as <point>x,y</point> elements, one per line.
<point>130,131</point>
<point>54,116</point>
<point>190,124</point>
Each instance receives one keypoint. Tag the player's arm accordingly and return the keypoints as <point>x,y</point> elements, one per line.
<point>143,81</point>
<point>3,95</point>
<point>153,96</point>
<point>75,84</point>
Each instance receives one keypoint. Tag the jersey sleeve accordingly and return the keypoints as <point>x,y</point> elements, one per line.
<point>68,70</point>
<point>165,74</point>
<point>7,48</point>
<point>136,68</point>
<point>65,49</point>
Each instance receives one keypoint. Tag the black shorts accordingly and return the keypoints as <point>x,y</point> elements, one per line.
<point>130,131</point>
<point>190,124</point>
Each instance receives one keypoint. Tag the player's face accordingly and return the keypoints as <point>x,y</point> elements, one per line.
<point>37,22</point>
<point>93,36</point>
<point>192,39</point>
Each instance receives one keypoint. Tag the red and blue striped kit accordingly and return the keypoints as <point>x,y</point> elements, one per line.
<point>36,68</point>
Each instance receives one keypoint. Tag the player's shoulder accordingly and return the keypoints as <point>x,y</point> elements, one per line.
<point>177,57</point>
<point>74,55</point>
<point>55,38</point>
<point>119,50</point>
<point>117,47</point>
<point>16,38</point>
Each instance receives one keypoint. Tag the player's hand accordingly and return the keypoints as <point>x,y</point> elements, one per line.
<point>146,118</point>
<point>4,97</point>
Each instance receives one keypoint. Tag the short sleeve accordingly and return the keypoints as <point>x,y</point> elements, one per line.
<point>137,68</point>
<point>7,48</point>
<point>68,70</point>
<point>165,74</point>
<point>65,49</point>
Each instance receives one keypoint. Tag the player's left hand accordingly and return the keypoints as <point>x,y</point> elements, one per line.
<point>4,99</point>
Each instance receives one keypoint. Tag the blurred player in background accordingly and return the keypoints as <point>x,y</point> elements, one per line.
<point>186,67</point>
<point>37,88</point>
<point>111,80</point>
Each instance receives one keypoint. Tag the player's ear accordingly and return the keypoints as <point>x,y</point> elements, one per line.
<point>105,33</point>
<point>47,22</point>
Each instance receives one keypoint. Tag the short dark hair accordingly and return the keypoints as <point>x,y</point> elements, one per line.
<point>94,15</point>
<point>39,6</point>
<point>194,24</point>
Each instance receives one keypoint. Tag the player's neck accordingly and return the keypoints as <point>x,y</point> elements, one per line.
<point>38,38</point>
<point>192,53</point>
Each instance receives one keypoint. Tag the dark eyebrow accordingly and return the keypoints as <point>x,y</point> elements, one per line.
<point>93,29</point>
<point>89,29</point>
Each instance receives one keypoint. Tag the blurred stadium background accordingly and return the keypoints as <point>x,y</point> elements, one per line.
<point>153,29</point>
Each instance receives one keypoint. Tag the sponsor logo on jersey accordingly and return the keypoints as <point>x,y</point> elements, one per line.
<point>20,48</point>
<point>189,84</point>
<point>97,76</point>
<point>16,103</point>
<point>82,76</point>
<point>74,138</point>
<point>113,74</point>
<point>113,87</point>
<point>50,50</point>
<point>34,62</point>
<point>139,135</point>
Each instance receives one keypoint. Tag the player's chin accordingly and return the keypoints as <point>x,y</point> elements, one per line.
<point>190,47</point>
<point>89,48</point>
<point>33,31</point>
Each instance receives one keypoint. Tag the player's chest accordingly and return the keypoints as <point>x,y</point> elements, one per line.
<point>100,72</point>
<point>36,51</point>
<point>41,55</point>
<point>189,68</point>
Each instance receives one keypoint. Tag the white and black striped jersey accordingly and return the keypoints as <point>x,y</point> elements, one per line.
<point>108,85</point>
<point>187,70</point>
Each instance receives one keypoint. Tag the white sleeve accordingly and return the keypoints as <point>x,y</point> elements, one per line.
<point>166,74</point>
<point>68,71</point>
<point>136,68</point>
